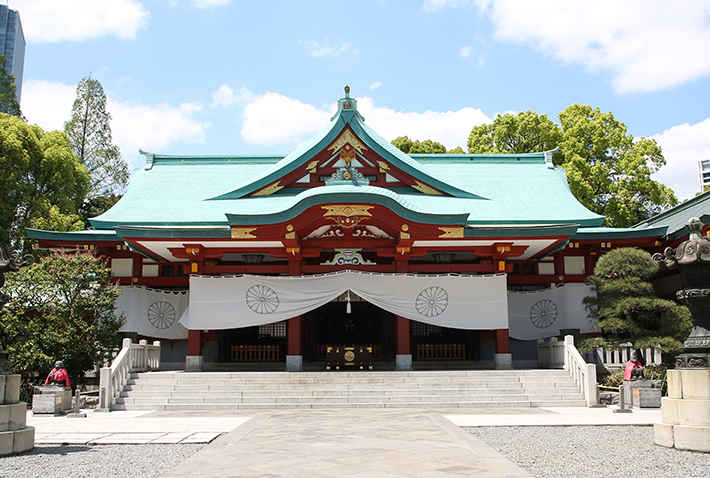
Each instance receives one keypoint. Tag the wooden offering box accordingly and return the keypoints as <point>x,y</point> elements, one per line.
<point>349,358</point>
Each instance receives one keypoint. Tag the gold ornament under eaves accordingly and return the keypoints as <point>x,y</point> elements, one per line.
<point>268,191</point>
<point>347,210</point>
<point>451,232</point>
<point>425,189</point>
<point>243,233</point>
<point>348,138</point>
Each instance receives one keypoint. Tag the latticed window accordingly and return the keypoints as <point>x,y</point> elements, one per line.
<point>420,329</point>
<point>276,330</point>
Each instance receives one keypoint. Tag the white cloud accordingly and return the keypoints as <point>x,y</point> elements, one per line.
<point>225,96</point>
<point>152,127</point>
<point>326,49</point>
<point>134,126</point>
<point>375,85</point>
<point>78,20</point>
<point>272,118</point>
<point>209,3</point>
<point>683,146</point>
<point>434,5</point>
<point>466,51</point>
<point>646,45</point>
<point>269,119</point>
<point>47,103</point>
<point>450,128</point>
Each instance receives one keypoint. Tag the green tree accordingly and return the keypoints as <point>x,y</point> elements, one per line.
<point>608,170</point>
<point>406,145</point>
<point>61,308</point>
<point>627,308</point>
<point>89,131</point>
<point>97,205</point>
<point>8,91</point>
<point>525,132</point>
<point>39,171</point>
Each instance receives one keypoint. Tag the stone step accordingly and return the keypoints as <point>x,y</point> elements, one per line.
<point>279,390</point>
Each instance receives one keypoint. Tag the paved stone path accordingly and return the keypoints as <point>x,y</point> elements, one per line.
<point>352,443</point>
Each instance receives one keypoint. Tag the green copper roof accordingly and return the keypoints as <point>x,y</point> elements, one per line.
<point>676,219</point>
<point>620,232</point>
<point>79,236</point>
<point>480,190</point>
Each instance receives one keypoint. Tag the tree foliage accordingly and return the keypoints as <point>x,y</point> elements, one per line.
<point>89,131</point>
<point>607,169</point>
<point>525,132</point>
<point>61,308</point>
<point>627,308</point>
<point>39,172</point>
<point>8,91</point>
<point>406,145</point>
<point>97,205</point>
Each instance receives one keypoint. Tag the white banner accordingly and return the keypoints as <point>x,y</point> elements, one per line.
<point>463,302</point>
<point>152,313</point>
<point>541,314</point>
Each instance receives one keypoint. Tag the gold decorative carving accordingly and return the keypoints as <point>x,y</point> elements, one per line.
<point>348,138</point>
<point>425,189</point>
<point>383,166</point>
<point>268,191</point>
<point>243,233</point>
<point>289,228</point>
<point>347,154</point>
<point>347,175</point>
<point>451,232</point>
<point>311,168</point>
<point>404,235</point>
<point>347,210</point>
<point>291,235</point>
<point>405,227</point>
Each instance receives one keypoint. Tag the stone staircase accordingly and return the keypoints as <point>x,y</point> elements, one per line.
<point>312,390</point>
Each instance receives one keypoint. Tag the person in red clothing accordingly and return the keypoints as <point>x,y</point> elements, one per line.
<point>634,368</point>
<point>58,375</point>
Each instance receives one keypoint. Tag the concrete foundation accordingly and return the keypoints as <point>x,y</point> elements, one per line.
<point>503,361</point>
<point>686,411</point>
<point>294,363</point>
<point>194,363</point>
<point>15,435</point>
<point>403,362</point>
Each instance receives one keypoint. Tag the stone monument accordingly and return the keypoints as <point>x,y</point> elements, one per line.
<point>15,435</point>
<point>686,409</point>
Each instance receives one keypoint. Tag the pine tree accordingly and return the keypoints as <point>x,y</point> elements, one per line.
<point>627,307</point>
<point>89,131</point>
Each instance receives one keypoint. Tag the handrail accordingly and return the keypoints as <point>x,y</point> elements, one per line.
<point>140,357</point>
<point>584,374</point>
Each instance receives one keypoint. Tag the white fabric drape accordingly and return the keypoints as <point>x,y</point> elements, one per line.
<point>152,313</point>
<point>541,314</point>
<point>464,302</point>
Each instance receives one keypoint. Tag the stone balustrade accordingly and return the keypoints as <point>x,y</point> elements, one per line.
<point>140,357</point>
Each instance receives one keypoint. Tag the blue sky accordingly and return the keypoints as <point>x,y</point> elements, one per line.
<point>236,77</point>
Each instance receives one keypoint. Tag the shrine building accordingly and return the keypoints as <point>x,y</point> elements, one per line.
<point>349,241</point>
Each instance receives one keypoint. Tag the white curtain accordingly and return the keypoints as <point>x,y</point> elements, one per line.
<point>463,302</point>
<point>541,314</point>
<point>152,313</point>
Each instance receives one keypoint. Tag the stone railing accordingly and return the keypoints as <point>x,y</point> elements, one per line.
<point>140,357</point>
<point>617,359</point>
<point>550,354</point>
<point>584,374</point>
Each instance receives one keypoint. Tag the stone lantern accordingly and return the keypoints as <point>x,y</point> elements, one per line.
<point>686,409</point>
<point>15,435</point>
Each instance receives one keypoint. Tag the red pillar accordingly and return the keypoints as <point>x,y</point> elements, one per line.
<point>502,341</point>
<point>294,332</point>
<point>194,342</point>
<point>401,331</point>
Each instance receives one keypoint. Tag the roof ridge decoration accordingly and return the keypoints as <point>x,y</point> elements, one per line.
<point>346,128</point>
<point>347,103</point>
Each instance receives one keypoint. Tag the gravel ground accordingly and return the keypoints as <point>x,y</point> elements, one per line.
<point>96,461</point>
<point>592,452</point>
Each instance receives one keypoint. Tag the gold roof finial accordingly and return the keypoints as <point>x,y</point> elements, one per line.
<point>347,91</point>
